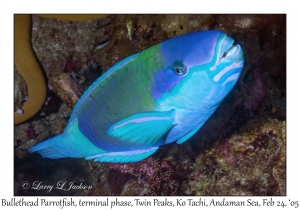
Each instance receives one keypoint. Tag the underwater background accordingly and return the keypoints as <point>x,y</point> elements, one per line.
<point>241,149</point>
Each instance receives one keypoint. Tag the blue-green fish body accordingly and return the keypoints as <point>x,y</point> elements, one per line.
<point>158,96</point>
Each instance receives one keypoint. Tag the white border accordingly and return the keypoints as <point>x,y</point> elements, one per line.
<point>218,6</point>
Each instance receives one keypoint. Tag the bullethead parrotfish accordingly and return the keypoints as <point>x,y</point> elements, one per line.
<point>160,95</point>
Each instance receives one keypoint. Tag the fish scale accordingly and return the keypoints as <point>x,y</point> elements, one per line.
<point>161,95</point>
<point>106,98</point>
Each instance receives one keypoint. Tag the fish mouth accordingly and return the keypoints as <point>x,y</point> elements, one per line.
<point>229,63</point>
<point>231,51</point>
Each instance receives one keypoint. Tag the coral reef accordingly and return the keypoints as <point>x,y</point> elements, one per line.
<point>241,150</point>
<point>250,162</point>
<point>65,47</point>
<point>152,176</point>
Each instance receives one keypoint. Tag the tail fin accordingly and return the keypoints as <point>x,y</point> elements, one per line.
<point>54,148</point>
<point>72,143</point>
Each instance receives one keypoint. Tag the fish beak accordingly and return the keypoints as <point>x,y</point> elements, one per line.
<point>230,51</point>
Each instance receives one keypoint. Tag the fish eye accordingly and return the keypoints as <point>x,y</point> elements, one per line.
<point>180,69</point>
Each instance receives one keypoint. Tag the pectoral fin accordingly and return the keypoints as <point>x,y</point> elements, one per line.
<point>143,129</point>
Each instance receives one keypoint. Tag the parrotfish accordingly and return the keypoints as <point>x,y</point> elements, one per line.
<point>158,96</point>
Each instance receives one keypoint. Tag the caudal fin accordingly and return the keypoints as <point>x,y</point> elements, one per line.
<point>52,148</point>
<point>72,143</point>
<point>58,147</point>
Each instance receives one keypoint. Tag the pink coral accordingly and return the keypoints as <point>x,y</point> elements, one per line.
<point>31,133</point>
<point>153,173</point>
